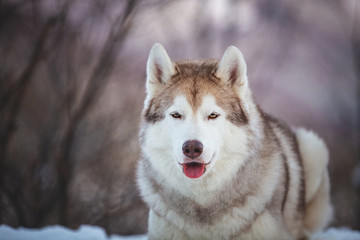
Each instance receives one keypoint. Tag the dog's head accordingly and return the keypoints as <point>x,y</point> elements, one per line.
<point>195,112</point>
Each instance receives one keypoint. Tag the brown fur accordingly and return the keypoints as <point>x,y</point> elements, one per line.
<point>196,80</point>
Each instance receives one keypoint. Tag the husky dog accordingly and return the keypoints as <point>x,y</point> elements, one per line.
<point>215,166</point>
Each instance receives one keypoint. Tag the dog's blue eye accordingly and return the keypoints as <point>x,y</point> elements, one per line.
<point>213,115</point>
<point>175,115</point>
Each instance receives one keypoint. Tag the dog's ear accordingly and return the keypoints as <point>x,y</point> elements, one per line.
<point>232,68</point>
<point>159,68</point>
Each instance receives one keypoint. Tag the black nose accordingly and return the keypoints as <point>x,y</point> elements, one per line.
<point>192,149</point>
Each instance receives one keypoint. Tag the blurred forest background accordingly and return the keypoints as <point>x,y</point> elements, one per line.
<point>72,76</point>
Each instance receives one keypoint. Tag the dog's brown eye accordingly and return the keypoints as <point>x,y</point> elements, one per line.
<point>213,115</point>
<point>175,115</point>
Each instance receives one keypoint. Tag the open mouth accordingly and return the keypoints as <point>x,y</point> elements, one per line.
<point>194,169</point>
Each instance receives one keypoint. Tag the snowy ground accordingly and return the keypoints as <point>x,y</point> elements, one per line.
<point>56,232</point>
<point>337,234</point>
<point>86,232</point>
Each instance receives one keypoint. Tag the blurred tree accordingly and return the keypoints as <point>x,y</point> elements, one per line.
<point>355,41</point>
<point>35,186</point>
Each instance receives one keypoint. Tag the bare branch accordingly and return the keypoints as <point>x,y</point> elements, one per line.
<point>10,105</point>
<point>95,85</point>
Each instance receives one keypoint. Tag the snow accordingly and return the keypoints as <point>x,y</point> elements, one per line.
<point>86,232</point>
<point>337,234</point>
<point>56,232</point>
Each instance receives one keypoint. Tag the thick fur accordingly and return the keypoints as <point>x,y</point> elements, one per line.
<point>263,180</point>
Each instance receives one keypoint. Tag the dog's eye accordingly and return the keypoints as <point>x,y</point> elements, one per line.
<point>213,115</point>
<point>175,115</point>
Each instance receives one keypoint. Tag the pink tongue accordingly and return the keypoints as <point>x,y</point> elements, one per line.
<point>194,170</point>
